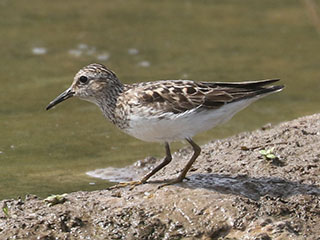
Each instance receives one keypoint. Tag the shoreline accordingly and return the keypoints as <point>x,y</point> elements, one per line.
<point>254,185</point>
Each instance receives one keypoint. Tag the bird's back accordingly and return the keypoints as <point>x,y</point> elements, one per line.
<point>175,109</point>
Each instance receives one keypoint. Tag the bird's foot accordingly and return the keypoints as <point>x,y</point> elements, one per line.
<point>132,185</point>
<point>173,181</point>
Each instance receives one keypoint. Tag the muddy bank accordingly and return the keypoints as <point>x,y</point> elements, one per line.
<point>259,185</point>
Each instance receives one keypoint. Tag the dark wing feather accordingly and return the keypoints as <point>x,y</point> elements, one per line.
<point>183,95</point>
<point>248,84</point>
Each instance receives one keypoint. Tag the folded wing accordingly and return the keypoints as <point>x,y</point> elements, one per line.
<point>184,95</point>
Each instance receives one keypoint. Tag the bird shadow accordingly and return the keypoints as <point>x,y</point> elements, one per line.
<point>249,187</point>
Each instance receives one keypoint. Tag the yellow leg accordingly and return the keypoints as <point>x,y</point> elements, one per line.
<point>133,184</point>
<point>125,184</point>
<point>183,174</point>
<point>165,162</point>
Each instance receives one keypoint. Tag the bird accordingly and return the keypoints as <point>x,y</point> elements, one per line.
<point>165,110</point>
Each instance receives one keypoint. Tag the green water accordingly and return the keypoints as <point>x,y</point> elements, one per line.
<point>49,152</point>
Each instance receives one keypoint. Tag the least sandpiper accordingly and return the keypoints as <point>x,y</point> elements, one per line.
<point>164,111</point>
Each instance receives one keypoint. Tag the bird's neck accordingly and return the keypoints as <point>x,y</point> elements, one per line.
<point>108,101</point>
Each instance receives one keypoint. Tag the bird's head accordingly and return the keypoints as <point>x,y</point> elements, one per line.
<point>90,83</point>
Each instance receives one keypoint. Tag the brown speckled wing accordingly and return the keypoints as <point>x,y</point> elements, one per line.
<point>182,95</point>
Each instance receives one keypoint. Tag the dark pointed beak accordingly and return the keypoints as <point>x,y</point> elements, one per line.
<point>63,96</point>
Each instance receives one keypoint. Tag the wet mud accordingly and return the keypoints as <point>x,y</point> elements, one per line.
<point>234,191</point>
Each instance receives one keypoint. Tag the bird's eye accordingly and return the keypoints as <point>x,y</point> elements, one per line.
<point>83,79</point>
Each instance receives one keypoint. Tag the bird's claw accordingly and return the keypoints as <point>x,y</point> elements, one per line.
<point>132,185</point>
<point>171,182</point>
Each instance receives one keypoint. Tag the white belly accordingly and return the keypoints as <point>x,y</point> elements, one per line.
<point>171,127</point>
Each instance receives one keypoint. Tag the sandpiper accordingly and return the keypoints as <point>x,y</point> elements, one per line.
<point>164,111</point>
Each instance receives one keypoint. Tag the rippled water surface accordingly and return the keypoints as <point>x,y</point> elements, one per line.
<point>44,43</point>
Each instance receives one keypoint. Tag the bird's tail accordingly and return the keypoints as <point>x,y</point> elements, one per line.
<point>243,90</point>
